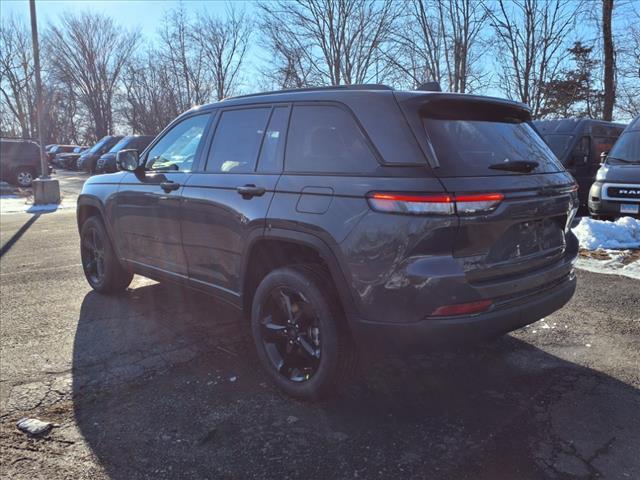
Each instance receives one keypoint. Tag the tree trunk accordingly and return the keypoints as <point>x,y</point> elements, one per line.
<point>609,61</point>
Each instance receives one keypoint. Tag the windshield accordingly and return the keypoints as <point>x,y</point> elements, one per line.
<point>120,145</point>
<point>559,144</point>
<point>96,148</point>
<point>626,149</point>
<point>469,147</point>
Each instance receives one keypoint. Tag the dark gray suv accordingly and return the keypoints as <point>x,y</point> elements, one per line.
<point>343,217</point>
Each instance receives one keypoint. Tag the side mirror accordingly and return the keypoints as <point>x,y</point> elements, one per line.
<point>603,157</point>
<point>128,160</point>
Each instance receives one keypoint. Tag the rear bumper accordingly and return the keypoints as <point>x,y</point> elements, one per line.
<point>433,333</point>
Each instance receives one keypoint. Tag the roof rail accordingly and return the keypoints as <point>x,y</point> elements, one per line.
<point>360,86</point>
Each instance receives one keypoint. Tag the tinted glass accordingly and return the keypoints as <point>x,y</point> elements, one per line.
<point>558,144</point>
<point>177,148</point>
<point>99,145</point>
<point>467,148</point>
<point>626,149</point>
<point>273,144</point>
<point>122,144</point>
<point>237,140</point>
<point>326,138</point>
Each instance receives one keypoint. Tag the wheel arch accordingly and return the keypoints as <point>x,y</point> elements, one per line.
<point>300,247</point>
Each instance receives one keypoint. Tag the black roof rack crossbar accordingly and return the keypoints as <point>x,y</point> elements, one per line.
<point>362,86</point>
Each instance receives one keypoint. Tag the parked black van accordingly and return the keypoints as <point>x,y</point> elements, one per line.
<point>107,162</point>
<point>19,161</point>
<point>616,191</point>
<point>89,158</point>
<point>578,143</point>
<point>343,216</point>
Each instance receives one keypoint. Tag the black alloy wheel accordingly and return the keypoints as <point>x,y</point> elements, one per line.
<point>291,334</point>
<point>101,265</point>
<point>92,252</point>
<point>300,332</point>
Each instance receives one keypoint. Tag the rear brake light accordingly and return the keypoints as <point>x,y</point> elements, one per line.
<point>462,308</point>
<point>439,204</point>
<point>478,203</point>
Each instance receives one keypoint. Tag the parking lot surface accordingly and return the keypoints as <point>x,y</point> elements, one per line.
<point>161,382</point>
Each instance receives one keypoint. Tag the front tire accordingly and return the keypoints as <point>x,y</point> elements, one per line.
<point>102,269</point>
<point>300,333</point>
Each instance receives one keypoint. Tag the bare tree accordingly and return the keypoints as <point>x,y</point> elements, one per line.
<point>16,79</point>
<point>184,59</point>
<point>531,45</point>
<point>609,60</point>
<point>628,63</point>
<point>438,41</point>
<point>333,42</point>
<point>224,44</point>
<point>88,52</point>
<point>150,99</point>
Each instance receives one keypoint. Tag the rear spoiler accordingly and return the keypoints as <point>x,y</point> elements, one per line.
<point>439,105</point>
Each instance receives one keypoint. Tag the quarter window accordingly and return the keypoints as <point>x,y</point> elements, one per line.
<point>326,138</point>
<point>176,150</point>
<point>237,140</point>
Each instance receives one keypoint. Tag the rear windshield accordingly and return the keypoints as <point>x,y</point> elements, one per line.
<point>626,149</point>
<point>468,146</point>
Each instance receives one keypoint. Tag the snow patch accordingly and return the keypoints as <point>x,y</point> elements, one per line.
<point>16,204</point>
<point>616,265</point>
<point>624,233</point>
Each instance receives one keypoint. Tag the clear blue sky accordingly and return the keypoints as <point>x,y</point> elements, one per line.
<point>132,14</point>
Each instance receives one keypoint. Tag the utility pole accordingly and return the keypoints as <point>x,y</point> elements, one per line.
<point>45,189</point>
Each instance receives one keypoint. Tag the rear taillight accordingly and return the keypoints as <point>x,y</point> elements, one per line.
<point>462,308</point>
<point>438,204</point>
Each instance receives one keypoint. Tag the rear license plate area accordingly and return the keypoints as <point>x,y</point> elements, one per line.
<point>528,238</point>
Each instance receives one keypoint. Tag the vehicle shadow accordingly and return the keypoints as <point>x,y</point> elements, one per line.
<point>166,385</point>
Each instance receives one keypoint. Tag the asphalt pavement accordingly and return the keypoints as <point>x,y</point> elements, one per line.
<point>161,382</point>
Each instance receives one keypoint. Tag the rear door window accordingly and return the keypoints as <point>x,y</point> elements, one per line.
<point>467,145</point>
<point>326,138</point>
<point>237,140</point>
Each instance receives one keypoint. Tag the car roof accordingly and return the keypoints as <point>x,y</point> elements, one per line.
<point>572,125</point>
<point>346,93</point>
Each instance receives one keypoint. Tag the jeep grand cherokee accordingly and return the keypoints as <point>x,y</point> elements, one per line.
<point>342,216</point>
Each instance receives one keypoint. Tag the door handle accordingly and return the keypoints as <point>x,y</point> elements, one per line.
<point>169,186</point>
<point>249,191</point>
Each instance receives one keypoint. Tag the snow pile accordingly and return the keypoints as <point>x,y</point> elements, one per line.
<point>624,233</point>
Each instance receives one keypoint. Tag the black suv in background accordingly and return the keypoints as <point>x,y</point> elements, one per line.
<point>579,143</point>
<point>89,158</point>
<point>107,162</point>
<point>19,161</point>
<point>616,191</point>
<point>344,216</point>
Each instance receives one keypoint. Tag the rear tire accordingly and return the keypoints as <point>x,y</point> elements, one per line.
<point>101,266</point>
<point>23,176</point>
<point>305,347</point>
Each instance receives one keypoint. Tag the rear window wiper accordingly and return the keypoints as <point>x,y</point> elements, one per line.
<point>524,166</point>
